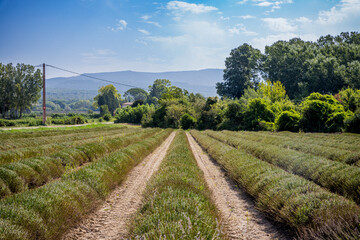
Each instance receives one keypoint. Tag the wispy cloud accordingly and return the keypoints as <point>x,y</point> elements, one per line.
<point>143,31</point>
<point>120,25</point>
<point>98,55</point>
<point>279,24</point>
<point>245,17</point>
<point>274,4</point>
<point>189,7</point>
<point>241,29</point>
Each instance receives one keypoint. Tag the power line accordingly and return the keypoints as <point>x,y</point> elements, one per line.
<point>96,78</point>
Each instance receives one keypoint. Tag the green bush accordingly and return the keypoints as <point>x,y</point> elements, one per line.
<point>104,109</point>
<point>133,114</point>
<point>353,123</point>
<point>258,110</point>
<point>107,117</point>
<point>78,119</point>
<point>187,121</point>
<point>322,113</point>
<point>288,121</point>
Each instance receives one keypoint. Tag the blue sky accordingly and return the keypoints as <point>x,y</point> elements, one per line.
<point>114,35</point>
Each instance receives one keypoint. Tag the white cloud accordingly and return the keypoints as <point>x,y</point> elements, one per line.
<point>264,4</point>
<point>246,17</point>
<point>224,18</point>
<point>144,31</point>
<point>261,42</point>
<point>303,20</point>
<point>189,7</point>
<point>241,29</point>
<point>347,9</point>
<point>274,4</point>
<point>120,25</point>
<point>145,17</point>
<point>200,44</point>
<point>156,24</point>
<point>98,55</point>
<point>279,24</point>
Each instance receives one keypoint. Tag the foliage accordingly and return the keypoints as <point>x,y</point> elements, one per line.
<point>159,87</point>
<point>104,110</point>
<point>132,114</point>
<point>243,68</point>
<point>353,123</point>
<point>322,113</point>
<point>273,91</point>
<point>349,98</point>
<point>288,121</point>
<point>19,88</point>
<point>187,121</point>
<point>109,96</point>
<point>258,110</point>
<point>136,94</point>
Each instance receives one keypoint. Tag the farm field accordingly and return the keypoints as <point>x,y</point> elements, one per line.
<point>117,181</point>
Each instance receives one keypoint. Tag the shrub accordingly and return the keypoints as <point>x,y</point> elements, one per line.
<point>77,120</point>
<point>107,117</point>
<point>288,121</point>
<point>353,123</point>
<point>322,113</point>
<point>104,109</point>
<point>258,110</point>
<point>187,121</point>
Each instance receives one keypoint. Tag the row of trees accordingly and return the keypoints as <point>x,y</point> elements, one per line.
<point>325,66</point>
<point>266,108</point>
<point>20,87</point>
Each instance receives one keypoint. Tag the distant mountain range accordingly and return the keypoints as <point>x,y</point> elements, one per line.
<point>200,81</point>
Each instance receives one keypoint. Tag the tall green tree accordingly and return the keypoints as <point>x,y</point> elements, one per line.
<point>159,87</point>
<point>243,70</point>
<point>136,94</point>
<point>20,87</point>
<point>108,95</point>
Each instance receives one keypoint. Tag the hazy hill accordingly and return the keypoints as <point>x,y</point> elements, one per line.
<point>201,81</point>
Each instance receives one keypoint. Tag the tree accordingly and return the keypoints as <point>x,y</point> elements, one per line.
<point>159,87</point>
<point>108,95</point>
<point>136,94</point>
<point>243,70</point>
<point>19,88</point>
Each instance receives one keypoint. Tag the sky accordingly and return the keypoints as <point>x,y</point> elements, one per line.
<point>89,36</point>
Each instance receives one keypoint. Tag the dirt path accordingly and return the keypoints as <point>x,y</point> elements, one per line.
<point>110,220</point>
<point>240,219</point>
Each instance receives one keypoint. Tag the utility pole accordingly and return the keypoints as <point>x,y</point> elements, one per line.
<point>44,102</point>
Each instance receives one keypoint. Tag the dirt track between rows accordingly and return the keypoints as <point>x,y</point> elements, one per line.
<point>110,221</point>
<point>240,219</point>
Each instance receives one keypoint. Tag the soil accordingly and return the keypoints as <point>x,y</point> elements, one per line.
<point>240,219</point>
<point>110,221</point>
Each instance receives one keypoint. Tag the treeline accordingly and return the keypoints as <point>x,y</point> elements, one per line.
<point>266,108</point>
<point>325,66</point>
<point>20,87</point>
<point>65,105</point>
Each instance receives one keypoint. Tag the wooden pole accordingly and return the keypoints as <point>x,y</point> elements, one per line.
<point>44,101</point>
